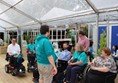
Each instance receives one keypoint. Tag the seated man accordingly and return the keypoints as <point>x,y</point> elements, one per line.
<point>63,58</point>
<point>13,51</point>
<point>31,52</point>
<point>65,55</point>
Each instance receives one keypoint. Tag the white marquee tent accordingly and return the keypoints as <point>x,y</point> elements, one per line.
<point>26,14</point>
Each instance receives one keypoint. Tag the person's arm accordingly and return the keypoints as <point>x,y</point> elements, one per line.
<point>76,63</point>
<point>51,60</point>
<point>8,51</point>
<point>70,60</point>
<point>48,50</point>
<point>19,50</point>
<point>87,45</point>
<point>101,69</point>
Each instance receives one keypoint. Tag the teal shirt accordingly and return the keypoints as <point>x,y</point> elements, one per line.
<point>80,57</point>
<point>31,47</point>
<point>44,49</point>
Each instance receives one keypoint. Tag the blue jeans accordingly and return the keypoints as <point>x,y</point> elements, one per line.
<point>72,72</point>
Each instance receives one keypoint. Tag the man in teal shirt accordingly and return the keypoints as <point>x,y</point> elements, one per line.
<point>31,52</point>
<point>31,46</point>
<point>45,55</point>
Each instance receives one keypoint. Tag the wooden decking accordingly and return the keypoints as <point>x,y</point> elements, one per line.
<point>8,78</point>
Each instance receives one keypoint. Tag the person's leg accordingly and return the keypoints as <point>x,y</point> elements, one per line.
<point>11,60</point>
<point>32,60</point>
<point>74,71</point>
<point>15,63</point>
<point>28,58</point>
<point>48,76</point>
<point>68,73</point>
<point>40,70</point>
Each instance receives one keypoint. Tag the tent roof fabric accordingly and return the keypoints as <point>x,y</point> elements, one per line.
<point>31,13</point>
<point>55,13</point>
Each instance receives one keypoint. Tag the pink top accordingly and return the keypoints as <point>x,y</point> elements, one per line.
<point>84,41</point>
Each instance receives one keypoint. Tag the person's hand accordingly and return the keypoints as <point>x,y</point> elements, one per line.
<point>15,56</point>
<point>54,71</point>
<point>93,68</point>
<point>70,63</point>
<point>91,63</point>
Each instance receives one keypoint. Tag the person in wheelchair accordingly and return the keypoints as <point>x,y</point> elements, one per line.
<point>31,53</point>
<point>14,57</point>
<point>101,68</point>
<point>13,51</point>
<point>90,51</point>
<point>76,64</point>
<point>63,58</point>
<point>115,52</point>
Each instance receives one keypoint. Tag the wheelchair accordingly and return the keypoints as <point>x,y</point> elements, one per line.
<point>32,64</point>
<point>15,66</point>
<point>108,79</point>
<point>61,67</point>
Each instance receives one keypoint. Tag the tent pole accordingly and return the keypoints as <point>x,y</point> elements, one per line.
<point>108,31</point>
<point>97,26</point>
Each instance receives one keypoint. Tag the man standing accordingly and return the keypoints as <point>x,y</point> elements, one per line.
<point>45,55</point>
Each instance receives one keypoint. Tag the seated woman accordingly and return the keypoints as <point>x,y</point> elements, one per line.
<point>101,67</point>
<point>115,52</point>
<point>31,52</point>
<point>78,64</point>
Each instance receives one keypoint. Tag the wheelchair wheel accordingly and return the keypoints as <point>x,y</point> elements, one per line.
<point>6,69</point>
<point>86,70</point>
<point>13,73</point>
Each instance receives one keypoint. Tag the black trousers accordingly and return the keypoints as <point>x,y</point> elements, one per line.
<point>15,63</point>
<point>62,65</point>
<point>31,59</point>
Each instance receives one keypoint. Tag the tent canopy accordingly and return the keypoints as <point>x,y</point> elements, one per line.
<point>31,13</point>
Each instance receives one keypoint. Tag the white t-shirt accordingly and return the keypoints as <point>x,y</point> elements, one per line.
<point>14,49</point>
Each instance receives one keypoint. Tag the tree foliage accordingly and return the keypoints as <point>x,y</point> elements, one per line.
<point>103,41</point>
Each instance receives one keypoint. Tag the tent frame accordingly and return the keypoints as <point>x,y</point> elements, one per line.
<point>80,14</point>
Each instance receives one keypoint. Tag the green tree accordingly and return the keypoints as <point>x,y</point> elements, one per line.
<point>26,37</point>
<point>103,41</point>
